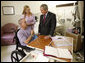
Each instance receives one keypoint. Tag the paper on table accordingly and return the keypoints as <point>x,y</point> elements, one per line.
<point>61,41</point>
<point>57,37</point>
<point>41,58</point>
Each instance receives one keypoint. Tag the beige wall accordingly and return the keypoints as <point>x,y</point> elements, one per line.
<point>18,5</point>
<point>65,13</point>
<point>35,8</point>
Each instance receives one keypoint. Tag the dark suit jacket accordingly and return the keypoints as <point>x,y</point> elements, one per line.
<point>49,26</point>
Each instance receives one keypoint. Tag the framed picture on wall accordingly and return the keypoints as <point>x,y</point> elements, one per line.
<point>8,10</point>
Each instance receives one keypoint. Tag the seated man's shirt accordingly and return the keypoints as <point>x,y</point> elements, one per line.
<point>23,35</point>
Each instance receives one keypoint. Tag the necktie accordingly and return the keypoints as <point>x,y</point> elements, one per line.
<point>44,19</point>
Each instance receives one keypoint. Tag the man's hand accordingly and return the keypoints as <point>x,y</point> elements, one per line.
<point>26,42</point>
<point>47,37</point>
<point>29,38</point>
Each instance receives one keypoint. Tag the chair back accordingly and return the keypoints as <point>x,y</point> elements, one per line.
<point>17,40</point>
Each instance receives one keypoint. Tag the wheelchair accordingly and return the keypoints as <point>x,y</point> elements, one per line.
<point>19,54</point>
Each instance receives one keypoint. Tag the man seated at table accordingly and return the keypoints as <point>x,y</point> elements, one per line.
<point>25,34</point>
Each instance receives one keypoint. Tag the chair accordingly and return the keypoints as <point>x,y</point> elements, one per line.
<point>19,52</point>
<point>7,34</point>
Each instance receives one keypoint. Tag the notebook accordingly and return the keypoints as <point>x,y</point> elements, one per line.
<point>57,52</point>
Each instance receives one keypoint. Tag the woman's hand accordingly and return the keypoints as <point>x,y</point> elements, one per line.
<point>29,24</point>
<point>32,32</point>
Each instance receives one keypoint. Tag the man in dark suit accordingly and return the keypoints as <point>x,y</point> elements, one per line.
<point>47,23</point>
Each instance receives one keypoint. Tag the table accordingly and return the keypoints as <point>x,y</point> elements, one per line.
<point>40,44</point>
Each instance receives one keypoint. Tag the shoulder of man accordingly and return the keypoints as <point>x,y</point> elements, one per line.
<point>20,32</point>
<point>51,13</point>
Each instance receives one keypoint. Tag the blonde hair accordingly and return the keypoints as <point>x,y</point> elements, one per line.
<point>25,7</point>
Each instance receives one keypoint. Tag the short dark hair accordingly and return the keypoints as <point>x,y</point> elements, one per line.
<point>44,6</point>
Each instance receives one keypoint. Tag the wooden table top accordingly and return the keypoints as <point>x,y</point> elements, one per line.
<point>40,42</point>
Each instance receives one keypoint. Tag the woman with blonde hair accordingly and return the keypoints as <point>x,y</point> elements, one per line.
<point>29,17</point>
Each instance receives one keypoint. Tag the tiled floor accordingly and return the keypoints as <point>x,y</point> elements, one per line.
<point>6,54</point>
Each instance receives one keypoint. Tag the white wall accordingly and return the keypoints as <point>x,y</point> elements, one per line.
<point>65,13</point>
<point>34,5</point>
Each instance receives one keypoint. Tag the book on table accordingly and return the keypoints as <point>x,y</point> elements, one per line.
<point>57,52</point>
